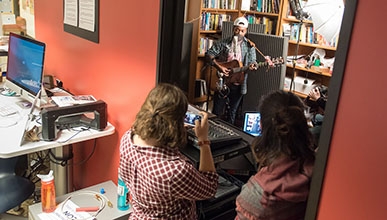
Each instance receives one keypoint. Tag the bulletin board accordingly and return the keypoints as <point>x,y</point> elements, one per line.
<point>6,6</point>
<point>81,18</point>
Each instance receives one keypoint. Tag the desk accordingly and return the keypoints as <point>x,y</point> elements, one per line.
<point>106,213</point>
<point>12,128</point>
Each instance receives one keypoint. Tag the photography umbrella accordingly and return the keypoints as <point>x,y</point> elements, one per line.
<point>326,16</point>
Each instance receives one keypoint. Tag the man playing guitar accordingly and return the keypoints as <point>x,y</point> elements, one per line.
<point>239,48</point>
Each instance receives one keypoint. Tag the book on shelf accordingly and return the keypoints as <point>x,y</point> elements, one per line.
<point>303,34</point>
<point>286,30</point>
<point>213,21</point>
<point>200,88</point>
<point>245,5</point>
<point>220,4</point>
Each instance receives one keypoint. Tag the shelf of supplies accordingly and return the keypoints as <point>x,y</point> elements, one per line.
<point>294,20</point>
<point>219,10</point>
<point>210,32</point>
<point>309,70</point>
<point>313,45</point>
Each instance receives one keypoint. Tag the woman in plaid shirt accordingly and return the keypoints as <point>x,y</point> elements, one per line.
<point>163,183</point>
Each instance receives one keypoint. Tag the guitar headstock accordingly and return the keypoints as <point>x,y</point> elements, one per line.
<point>272,62</point>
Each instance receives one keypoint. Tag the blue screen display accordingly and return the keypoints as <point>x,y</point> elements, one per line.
<point>251,123</point>
<point>25,62</point>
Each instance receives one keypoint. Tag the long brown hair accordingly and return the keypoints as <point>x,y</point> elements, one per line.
<point>284,129</point>
<point>161,117</point>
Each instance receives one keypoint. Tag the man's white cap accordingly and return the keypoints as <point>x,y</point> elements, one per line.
<point>241,22</point>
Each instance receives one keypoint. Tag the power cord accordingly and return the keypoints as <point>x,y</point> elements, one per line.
<point>98,196</point>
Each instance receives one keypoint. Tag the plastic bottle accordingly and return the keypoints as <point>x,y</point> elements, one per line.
<point>123,202</point>
<point>48,192</point>
<point>317,61</point>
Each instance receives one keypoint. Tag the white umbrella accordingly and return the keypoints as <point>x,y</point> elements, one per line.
<point>326,16</point>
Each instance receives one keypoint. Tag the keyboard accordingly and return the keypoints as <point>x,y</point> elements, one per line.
<point>219,134</point>
<point>6,110</point>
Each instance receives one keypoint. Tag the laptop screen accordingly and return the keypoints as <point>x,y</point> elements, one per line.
<point>251,123</point>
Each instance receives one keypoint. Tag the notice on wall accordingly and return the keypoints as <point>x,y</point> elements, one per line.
<point>81,18</point>
<point>71,12</point>
<point>87,14</point>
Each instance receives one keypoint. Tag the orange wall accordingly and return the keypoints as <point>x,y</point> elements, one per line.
<point>120,70</point>
<point>356,177</point>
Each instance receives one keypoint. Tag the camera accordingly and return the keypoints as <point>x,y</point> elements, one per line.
<point>323,90</point>
<point>190,118</point>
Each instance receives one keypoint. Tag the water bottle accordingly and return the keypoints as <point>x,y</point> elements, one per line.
<point>123,195</point>
<point>48,192</point>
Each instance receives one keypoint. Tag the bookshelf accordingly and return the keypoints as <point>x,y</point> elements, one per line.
<point>311,44</point>
<point>207,17</point>
<point>265,12</point>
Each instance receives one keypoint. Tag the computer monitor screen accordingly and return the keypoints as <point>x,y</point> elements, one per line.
<point>251,124</point>
<point>25,66</point>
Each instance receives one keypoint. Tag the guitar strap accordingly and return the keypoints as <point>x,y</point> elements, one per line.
<point>253,45</point>
<point>267,58</point>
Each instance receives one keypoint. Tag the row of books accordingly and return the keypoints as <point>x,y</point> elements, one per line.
<point>306,34</point>
<point>265,6</point>
<point>269,23</point>
<point>213,21</point>
<point>204,44</point>
<point>220,4</point>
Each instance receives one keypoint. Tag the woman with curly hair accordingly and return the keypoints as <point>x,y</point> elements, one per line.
<point>162,182</point>
<point>285,157</point>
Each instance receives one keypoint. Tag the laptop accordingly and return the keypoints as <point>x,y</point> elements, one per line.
<point>251,123</point>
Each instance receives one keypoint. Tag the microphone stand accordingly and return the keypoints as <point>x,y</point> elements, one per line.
<point>209,87</point>
<point>296,56</point>
<point>208,84</point>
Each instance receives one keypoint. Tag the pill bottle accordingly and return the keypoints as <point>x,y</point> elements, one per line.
<point>48,192</point>
<point>123,202</point>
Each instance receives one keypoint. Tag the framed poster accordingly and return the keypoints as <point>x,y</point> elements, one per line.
<point>81,18</point>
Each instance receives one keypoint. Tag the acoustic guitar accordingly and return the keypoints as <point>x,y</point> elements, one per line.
<point>237,72</point>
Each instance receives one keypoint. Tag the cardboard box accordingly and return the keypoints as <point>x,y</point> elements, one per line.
<point>302,87</point>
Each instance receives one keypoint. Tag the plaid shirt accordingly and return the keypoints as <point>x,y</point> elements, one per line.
<point>220,50</point>
<point>162,182</point>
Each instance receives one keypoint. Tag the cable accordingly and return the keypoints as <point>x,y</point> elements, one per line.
<point>79,131</point>
<point>88,157</point>
<point>98,196</point>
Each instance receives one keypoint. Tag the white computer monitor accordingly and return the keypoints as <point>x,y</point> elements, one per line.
<point>25,66</point>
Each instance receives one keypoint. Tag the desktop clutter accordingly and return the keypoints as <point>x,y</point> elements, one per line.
<point>36,92</point>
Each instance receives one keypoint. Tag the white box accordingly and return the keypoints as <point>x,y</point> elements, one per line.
<point>287,83</point>
<point>302,86</point>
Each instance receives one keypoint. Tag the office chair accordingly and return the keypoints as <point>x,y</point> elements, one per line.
<point>14,189</point>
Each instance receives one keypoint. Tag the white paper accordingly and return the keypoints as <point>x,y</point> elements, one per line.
<point>245,5</point>
<point>87,14</point>
<point>72,100</point>
<point>65,213</point>
<point>71,12</point>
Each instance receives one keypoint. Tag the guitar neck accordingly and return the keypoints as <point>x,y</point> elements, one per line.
<point>245,68</point>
